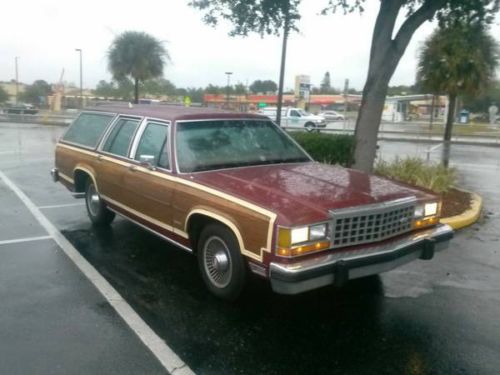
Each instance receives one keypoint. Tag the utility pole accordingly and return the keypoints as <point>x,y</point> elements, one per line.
<point>17,80</point>
<point>81,77</point>
<point>431,121</point>
<point>227,88</point>
<point>282,69</point>
<point>346,93</point>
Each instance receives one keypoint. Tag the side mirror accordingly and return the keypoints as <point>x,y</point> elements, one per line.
<point>147,161</point>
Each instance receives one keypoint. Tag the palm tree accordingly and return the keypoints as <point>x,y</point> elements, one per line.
<point>137,55</point>
<point>458,59</point>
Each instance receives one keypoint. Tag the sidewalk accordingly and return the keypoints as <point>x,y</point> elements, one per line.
<point>412,132</point>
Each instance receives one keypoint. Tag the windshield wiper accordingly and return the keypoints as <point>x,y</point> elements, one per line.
<point>201,168</point>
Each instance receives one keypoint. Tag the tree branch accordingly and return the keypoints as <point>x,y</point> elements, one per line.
<point>426,12</point>
<point>382,32</point>
<point>386,19</point>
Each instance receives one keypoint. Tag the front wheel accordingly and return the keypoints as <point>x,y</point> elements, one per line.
<point>220,261</point>
<point>98,213</point>
<point>310,127</point>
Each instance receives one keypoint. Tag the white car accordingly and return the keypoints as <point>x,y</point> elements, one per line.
<point>332,116</point>
<point>295,118</point>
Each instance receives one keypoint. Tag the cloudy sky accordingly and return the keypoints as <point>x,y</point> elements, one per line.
<point>45,33</point>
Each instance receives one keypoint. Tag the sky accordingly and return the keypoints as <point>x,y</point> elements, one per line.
<point>45,33</point>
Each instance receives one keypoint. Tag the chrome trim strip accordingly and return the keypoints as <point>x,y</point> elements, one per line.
<point>140,132</point>
<point>372,208</point>
<point>139,119</point>
<point>189,250</point>
<point>136,138</point>
<point>364,252</point>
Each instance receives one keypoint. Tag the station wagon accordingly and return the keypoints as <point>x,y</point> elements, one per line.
<point>235,190</point>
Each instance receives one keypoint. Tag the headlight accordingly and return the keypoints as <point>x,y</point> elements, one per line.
<point>426,214</point>
<point>431,209</point>
<point>302,240</point>
<point>318,232</point>
<point>426,209</point>
<point>299,235</point>
<point>419,211</point>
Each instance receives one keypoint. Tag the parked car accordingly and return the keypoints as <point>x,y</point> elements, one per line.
<point>21,109</point>
<point>332,116</point>
<point>295,118</point>
<point>235,190</point>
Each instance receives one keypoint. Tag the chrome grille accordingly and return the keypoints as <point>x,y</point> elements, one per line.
<point>355,226</point>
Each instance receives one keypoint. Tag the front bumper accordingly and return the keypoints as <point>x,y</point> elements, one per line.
<point>54,172</point>
<point>339,267</point>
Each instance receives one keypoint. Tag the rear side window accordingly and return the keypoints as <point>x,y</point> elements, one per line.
<point>87,129</point>
<point>119,139</point>
<point>153,142</point>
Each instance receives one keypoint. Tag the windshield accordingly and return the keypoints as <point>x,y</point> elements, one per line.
<point>304,113</point>
<point>209,145</point>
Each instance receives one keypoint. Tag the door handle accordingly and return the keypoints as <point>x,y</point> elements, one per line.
<point>99,157</point>
<point>132,168</point>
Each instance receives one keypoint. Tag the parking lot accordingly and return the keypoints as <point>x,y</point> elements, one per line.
<point>440,316</point>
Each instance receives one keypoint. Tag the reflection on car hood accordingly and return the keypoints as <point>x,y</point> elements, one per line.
<point>304,192</point>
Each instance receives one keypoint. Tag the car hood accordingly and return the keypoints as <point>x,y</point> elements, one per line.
<point>305,192</point>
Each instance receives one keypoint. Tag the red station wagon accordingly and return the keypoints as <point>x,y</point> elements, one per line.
<point>237,191</point>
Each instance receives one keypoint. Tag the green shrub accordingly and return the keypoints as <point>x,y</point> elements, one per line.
<point>327,148</point>
<point>415,171</point>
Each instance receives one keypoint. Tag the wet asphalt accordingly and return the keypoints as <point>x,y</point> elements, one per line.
<point>433,317</point>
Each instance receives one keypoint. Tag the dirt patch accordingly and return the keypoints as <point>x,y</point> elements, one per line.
<point>455,202</point>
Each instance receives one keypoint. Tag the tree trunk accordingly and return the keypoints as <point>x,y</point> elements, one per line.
<point>386,52</point>
<point>450,119</point>
<point>136,90</point>
<point>368,123</point>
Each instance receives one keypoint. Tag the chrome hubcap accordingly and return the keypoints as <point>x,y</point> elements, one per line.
<point>93,200</point>
<point>217,262</point>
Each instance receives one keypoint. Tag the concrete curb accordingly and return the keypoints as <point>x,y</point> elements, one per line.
<point>468,217</point>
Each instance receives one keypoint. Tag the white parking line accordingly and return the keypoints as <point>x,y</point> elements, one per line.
<point>62,205</point>
<point>172,363</point>
<point>27,239</point>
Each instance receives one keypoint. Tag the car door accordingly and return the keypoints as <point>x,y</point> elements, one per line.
<point>113,159</point>
<point>149,187</point>
<point>294,119</point>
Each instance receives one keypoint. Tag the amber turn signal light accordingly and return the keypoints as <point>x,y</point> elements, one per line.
<point>304,249</point>
<point>426,222</point>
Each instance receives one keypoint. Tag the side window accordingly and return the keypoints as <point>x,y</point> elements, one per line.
<point>119,139</point>
<point>87,129</point>
<point>294,113</point>
<point>154,142</point>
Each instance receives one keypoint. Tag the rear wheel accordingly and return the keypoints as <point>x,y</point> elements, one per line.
<point>220,261</point>
<point>98,213</point>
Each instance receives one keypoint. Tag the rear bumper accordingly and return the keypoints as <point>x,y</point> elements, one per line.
<point>339,267</point>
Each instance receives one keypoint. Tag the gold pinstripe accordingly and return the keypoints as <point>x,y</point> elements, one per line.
<point>271,215</point>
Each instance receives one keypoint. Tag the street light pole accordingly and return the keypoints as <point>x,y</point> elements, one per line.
<point>227,87</point>
<point>81,77</point>
<point>17,80</point>
<point>282,69</point>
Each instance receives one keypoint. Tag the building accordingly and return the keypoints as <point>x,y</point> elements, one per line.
<point>315,103</point>
<point>10,88</point>
<point>414,107</point>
